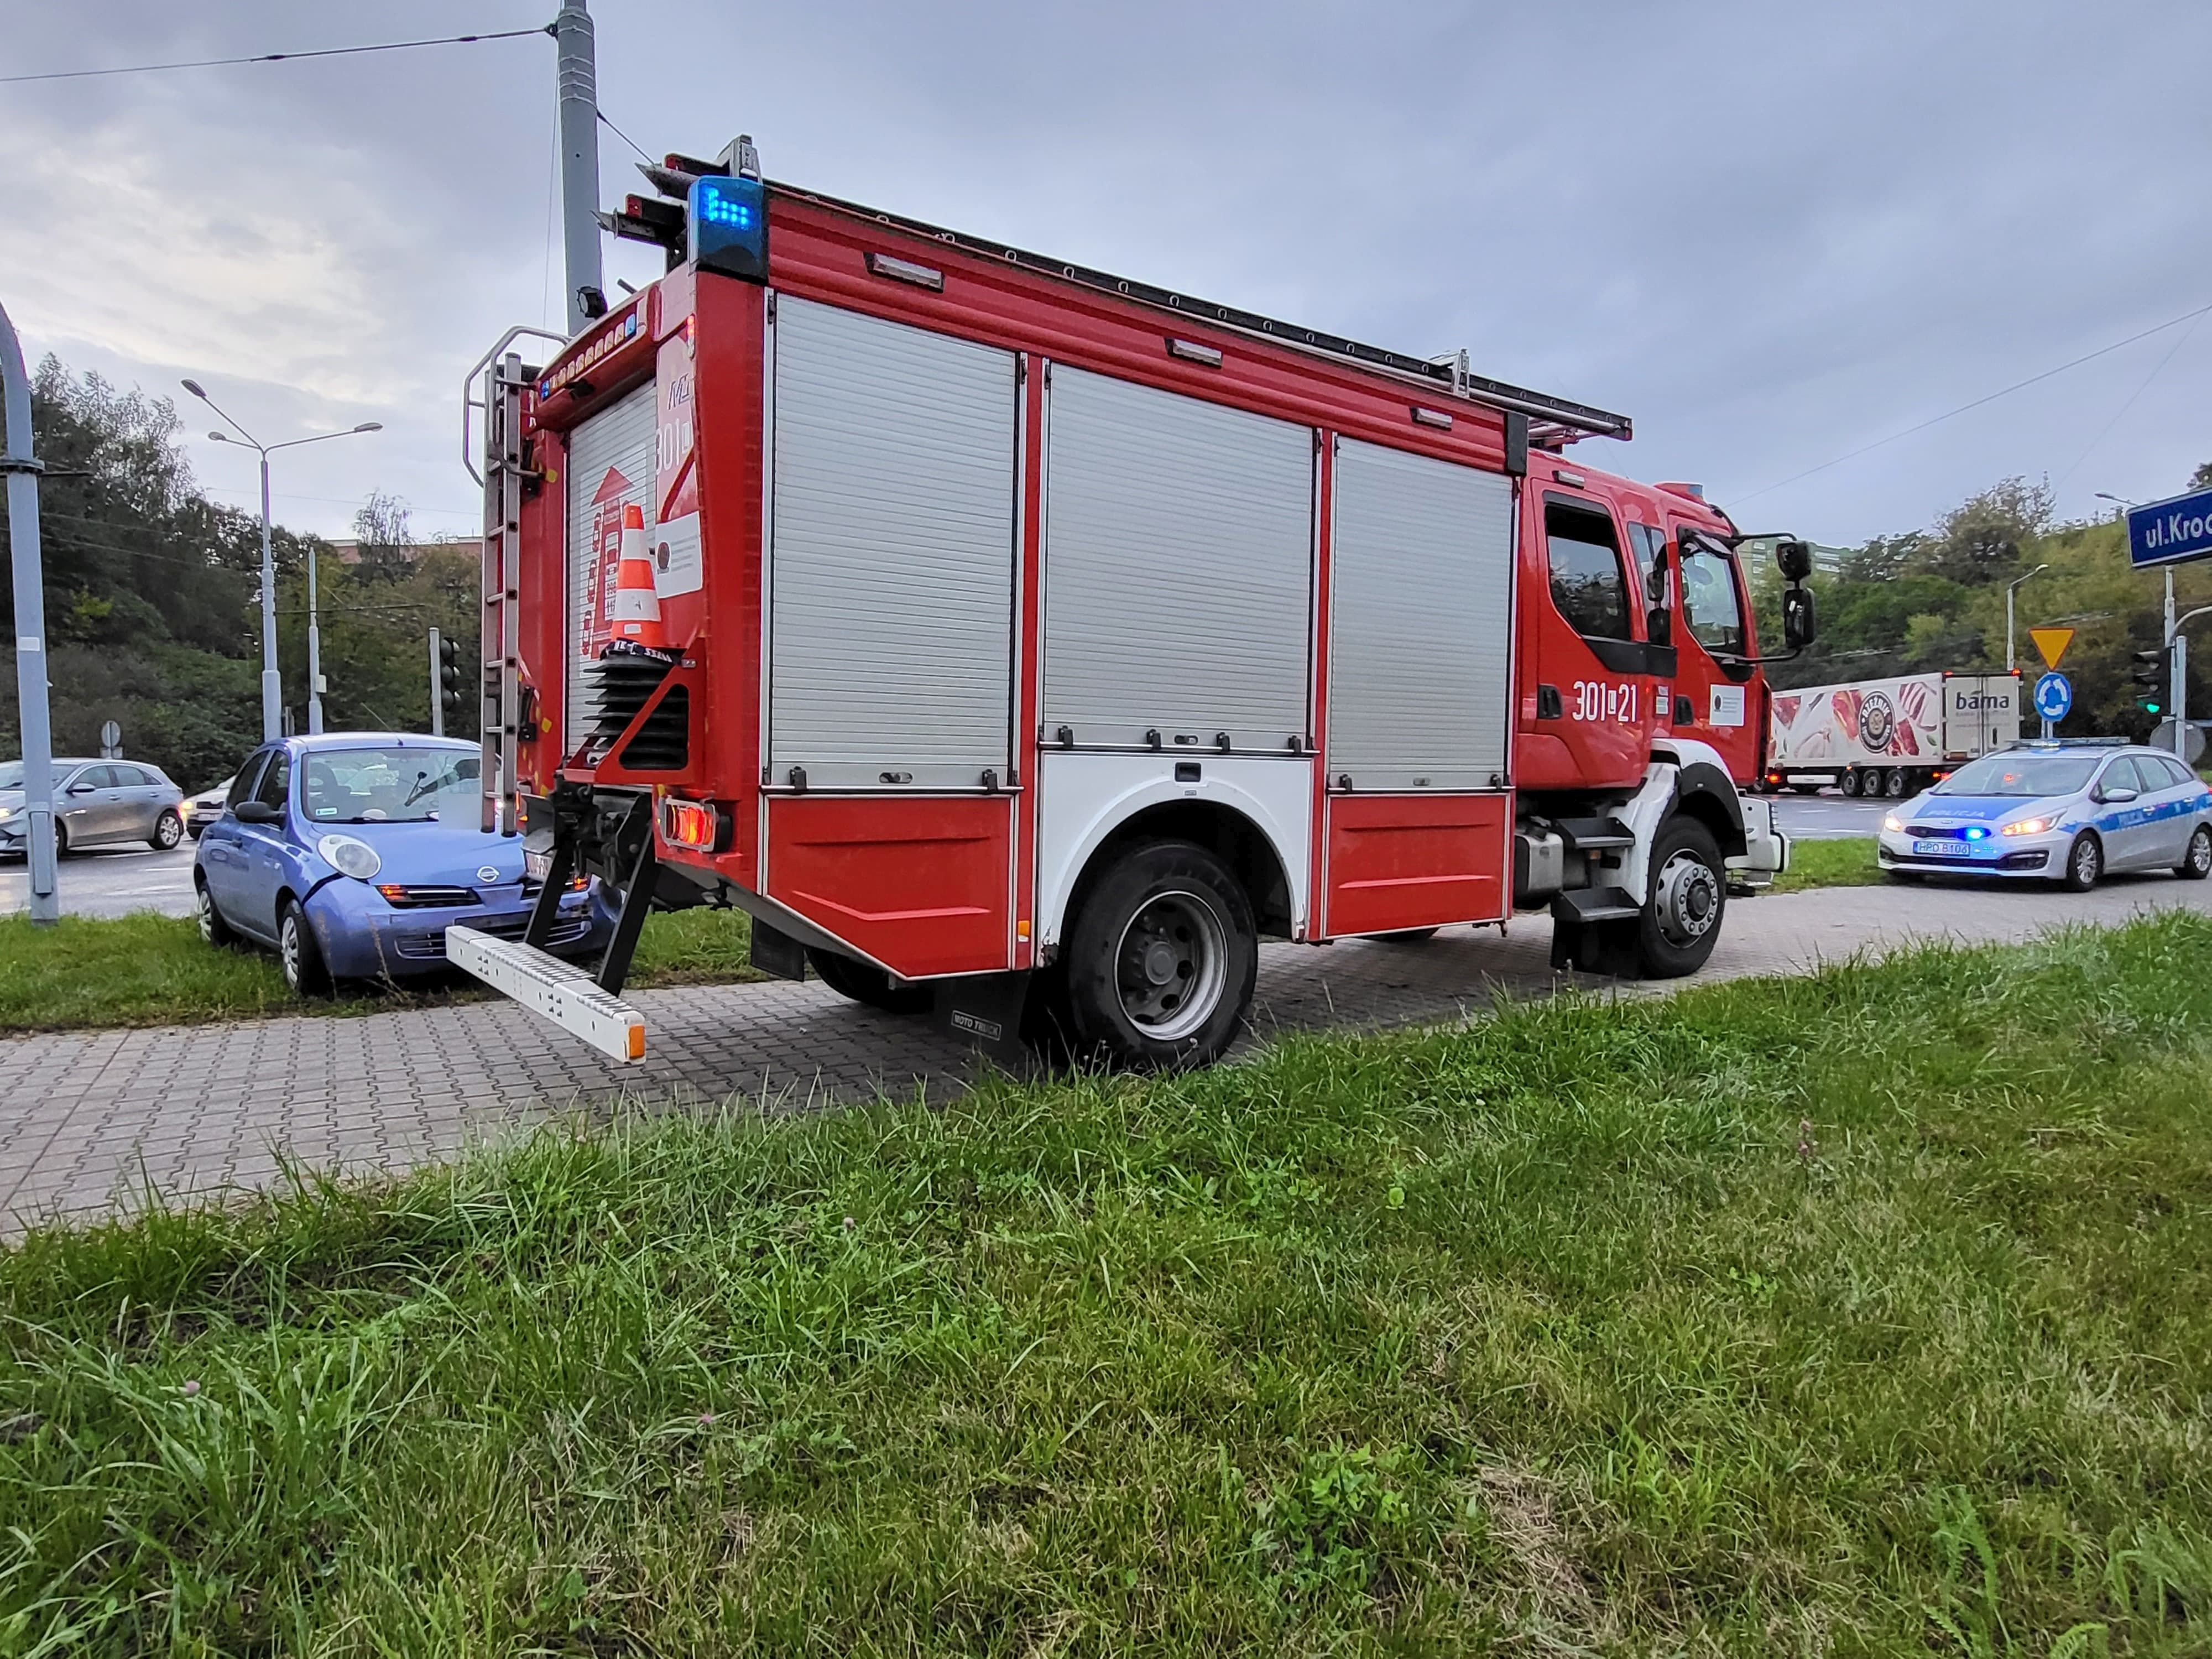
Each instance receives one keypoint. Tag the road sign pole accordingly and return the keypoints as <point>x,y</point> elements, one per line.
<point>37,750</point>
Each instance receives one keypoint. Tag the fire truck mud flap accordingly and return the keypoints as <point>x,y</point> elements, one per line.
<point>560,991</point>
<point>986,1011</point>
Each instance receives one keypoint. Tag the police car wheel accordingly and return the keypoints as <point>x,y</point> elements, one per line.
<point>2085,862</point>
<point>2197,863</point>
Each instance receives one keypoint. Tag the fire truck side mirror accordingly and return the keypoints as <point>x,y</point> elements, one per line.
<point>1794,559</point>
<point>1659,625</point>
<point>1799,627</point>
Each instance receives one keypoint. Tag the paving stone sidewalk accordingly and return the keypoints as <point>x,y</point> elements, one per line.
<point>89,1121</point>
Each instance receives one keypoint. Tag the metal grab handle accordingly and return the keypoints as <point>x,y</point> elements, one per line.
<point>469,385</point>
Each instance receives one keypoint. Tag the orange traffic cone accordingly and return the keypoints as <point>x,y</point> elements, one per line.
<point>636,614</point>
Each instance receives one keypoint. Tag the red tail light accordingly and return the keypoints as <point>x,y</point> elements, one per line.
<point>690,824</point>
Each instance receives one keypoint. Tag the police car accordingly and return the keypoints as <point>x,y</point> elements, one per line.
<point>2056,811</point>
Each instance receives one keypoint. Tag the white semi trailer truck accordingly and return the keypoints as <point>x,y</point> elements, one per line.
<point>1888,737</point>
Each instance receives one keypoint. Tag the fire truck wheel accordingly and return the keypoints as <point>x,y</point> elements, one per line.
<point>1681,919</point>
<point>873,986</point>
<point>1161,959</point>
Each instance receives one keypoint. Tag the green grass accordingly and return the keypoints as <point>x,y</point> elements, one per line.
<point>1866,1313</point>
<point>1848,863</point>
<point>148,969</point>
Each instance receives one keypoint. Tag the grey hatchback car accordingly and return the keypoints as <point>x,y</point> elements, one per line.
<point>97,803</point>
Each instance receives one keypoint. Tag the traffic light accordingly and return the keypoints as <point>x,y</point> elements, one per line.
<point>449,680</point>
<point>2148,673</point>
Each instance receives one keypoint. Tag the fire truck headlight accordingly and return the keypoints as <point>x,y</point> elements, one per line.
<point>727,226</point>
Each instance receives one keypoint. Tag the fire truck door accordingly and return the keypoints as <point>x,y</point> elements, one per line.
<point>1711,678</point>
<point>1592,678</point>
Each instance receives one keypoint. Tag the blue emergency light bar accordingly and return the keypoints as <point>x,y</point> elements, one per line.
<point>728,226</point>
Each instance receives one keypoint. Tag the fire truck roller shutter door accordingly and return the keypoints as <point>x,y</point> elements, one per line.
<point>1178,569</point>
<point>1420,616</point>
<point>610,467</point>
<point>891,557</point>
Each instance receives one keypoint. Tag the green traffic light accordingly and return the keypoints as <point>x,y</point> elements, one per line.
<point>2150,708</point>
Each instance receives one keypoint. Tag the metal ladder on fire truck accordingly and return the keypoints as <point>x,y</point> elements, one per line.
<point>562,992</point>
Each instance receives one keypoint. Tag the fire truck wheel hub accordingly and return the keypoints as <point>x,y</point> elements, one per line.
<point>1172,965</point>
<point>1686,900</point>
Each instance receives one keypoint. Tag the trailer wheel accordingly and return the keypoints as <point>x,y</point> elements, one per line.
<point>1901,783</point>
<point>863,983</point>
<point>1681,919</point>
<point>1161,959</point>
<point>1848,783</point>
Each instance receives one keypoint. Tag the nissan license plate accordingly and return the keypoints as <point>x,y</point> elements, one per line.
<point>1940,849</point>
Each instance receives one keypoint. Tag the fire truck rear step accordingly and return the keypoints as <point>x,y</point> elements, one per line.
<point>561,991</point>
<point>1589,904</point>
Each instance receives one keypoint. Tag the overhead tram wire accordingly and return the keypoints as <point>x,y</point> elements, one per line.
<point>275,57</point>
<point>1937,420</point>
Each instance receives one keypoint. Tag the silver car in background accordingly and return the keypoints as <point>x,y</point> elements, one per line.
<point>2056,809</point>
<point>97,803</point>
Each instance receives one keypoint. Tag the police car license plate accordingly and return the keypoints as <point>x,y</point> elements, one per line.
<point>1940,849</point>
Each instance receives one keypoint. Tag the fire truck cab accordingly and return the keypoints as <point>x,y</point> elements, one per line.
<point>1015,640</point>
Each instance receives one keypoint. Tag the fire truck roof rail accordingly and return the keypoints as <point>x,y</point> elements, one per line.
<point>1565,420</point>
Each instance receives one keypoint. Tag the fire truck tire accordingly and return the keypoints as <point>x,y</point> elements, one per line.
<point>863,983</point>
<point>1681,919</point>
<point>1161,959</point>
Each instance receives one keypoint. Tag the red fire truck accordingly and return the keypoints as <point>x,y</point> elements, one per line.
<point>1031,642</point>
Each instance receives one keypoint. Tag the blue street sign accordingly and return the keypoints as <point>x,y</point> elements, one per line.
<point>2166,532</point>
<point>2054,696</point>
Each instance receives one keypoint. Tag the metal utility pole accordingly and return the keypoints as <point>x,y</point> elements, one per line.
<point>437,691</point>
<point>272,685</point>
<point>2012,657</point>
<point>578,88</point>
<point>22,473</point>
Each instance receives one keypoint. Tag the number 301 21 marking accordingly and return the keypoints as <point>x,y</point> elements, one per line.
<point>1596,700</point>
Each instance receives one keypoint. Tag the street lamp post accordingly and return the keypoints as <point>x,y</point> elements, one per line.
<point>272,694</point>
<point>2012,659</point>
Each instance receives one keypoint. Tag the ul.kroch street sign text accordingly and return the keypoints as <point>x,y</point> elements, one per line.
<point>2168,533</point>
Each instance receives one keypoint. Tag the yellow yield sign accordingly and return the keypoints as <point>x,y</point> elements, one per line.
<point>2052,643</point>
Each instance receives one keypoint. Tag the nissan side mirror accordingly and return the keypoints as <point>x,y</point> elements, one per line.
<point>255,812</point>
<point>1799,625</point>
<point>1794,559</point>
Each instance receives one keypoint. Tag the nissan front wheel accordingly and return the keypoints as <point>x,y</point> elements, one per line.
<point>298,954</point>
<point>1161,960</point>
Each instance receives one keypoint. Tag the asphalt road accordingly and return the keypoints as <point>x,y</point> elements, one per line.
<point>111,881</point>
<point>1827,817</point>
<point>114,882</point>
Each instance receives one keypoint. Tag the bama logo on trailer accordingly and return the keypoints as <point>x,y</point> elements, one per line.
<point>2166,531</point>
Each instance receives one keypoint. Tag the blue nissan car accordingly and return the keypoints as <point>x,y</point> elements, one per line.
<point>2048,810</point>
<point>350,854</point>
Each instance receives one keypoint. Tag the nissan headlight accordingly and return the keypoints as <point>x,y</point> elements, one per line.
<point>2026,826</point>
<point>349,855</point>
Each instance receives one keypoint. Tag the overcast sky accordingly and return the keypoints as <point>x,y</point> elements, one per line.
<point>1770,234</point>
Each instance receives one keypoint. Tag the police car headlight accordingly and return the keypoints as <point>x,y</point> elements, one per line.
<point>1893,823</point>
<point>2026,826</point>
<point>349,856</point>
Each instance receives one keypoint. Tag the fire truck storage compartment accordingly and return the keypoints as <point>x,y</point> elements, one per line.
<point>891,554</point>
<point>1178,570</point>
<point>609,467</point>
<point>921,885</point>
<point>1403,861</point>
<point>1420,621</point>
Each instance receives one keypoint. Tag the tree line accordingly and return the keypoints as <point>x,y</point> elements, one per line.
<point>152,598</point>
